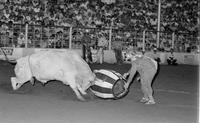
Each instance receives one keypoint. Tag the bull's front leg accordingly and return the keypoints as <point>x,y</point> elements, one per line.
<point>78,94</point>
<point>81,90</point>
<point>79,82</point>
<point>76,90</point>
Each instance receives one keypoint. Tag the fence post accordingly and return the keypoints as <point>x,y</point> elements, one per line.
<point>13,43</point>
<point>110,38</point>
<point>158,24</point>
<point>173,38</point>
<point>62,39</point>
<point>26,35</point>
<point>48,37</point>
<point>41,35</point>
<point>143,41</point>
<point>34,36</point>
<point>70,37</point>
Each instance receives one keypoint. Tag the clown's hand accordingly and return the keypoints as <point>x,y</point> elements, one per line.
<point>125,76</point>
<point>126,85</point>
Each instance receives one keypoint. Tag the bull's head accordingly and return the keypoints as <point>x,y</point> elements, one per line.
<point>89,82</point>
<point>22,72</point>
<point>85,83</point>
<point>15,83</point>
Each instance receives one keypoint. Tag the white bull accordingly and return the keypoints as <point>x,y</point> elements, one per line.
<point>65,66</point>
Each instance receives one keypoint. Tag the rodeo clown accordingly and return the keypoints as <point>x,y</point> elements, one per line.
<point>147,68</point>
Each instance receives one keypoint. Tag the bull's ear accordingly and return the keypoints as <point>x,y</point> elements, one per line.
<point>32,80</point>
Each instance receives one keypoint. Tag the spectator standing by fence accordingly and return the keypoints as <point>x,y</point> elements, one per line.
<point>4,35</point>
<point>86,48</point>
<point>21,40</point>
<point>102,43</point>
<point>5,39</point>
<point>117,47</point>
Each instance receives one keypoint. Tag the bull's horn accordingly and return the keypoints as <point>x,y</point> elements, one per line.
<point>14,82</point>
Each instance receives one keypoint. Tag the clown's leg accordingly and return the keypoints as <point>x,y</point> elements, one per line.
<point>145,91</point>
<point>150,92</point>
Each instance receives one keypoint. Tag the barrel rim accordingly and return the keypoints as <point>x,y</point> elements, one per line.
<point>122,94</point>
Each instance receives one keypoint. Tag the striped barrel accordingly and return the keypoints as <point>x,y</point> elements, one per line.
<point>109,84</point>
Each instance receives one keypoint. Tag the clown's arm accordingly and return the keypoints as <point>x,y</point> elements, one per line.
<point>131,74</point>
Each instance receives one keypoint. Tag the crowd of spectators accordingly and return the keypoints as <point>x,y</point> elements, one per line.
<point>176,16</point>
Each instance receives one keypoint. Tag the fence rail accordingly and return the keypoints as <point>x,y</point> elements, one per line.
<point>24,35</point>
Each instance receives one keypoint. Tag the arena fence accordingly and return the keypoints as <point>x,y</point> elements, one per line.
<point>38,36</point>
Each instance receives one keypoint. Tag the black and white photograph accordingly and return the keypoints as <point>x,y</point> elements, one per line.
<point>99,61</point>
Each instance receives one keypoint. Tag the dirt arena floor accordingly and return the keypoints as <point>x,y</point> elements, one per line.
<point>176,94</point>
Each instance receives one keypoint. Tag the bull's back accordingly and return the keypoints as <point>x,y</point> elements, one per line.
<point>52,64</point>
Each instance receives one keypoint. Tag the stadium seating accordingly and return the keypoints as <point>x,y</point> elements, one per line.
<point>177,16</point>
